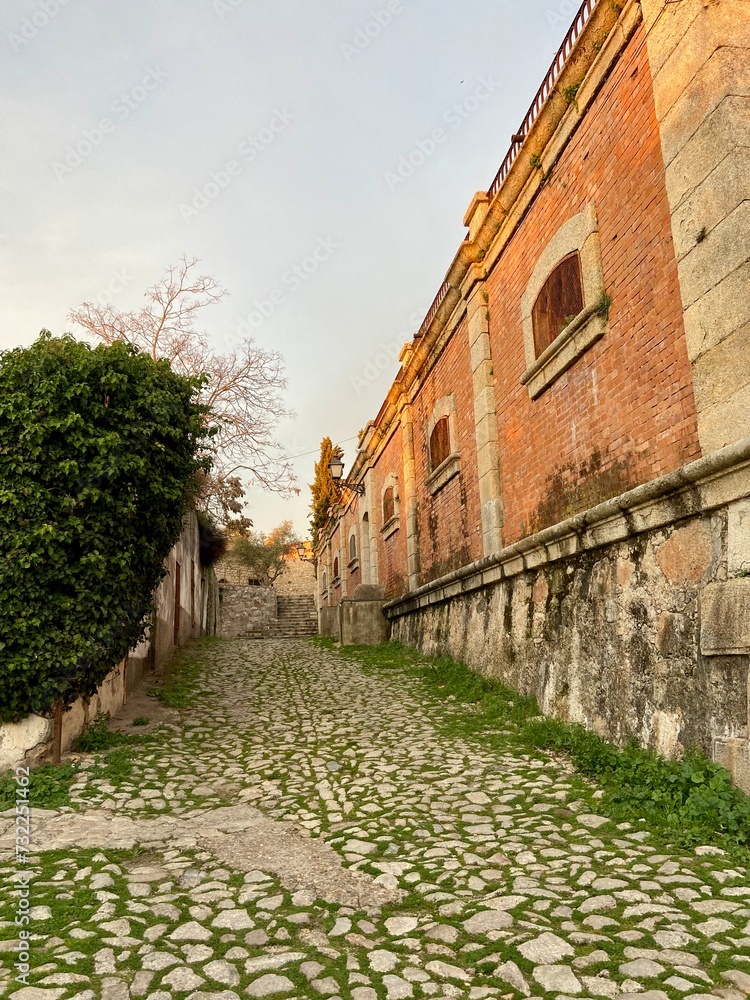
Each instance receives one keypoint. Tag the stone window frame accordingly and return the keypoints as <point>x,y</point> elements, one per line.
<point>336,577</point>
<point>392,525</point>
<point>353,564</point>
<point>324,584</point>
<point>450,468</point>
<point>580,235</point>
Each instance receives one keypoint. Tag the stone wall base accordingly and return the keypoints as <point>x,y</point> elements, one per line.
<point>632,619</point>
<point>363,623</point>
<point>329,622</point>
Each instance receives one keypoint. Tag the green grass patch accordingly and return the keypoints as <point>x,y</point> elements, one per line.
<point>181,685</point>
<point>48,788</point>
<point>686,802</point>
<point>323,642</point>
<point>100,737</point>
<point>693,798</point>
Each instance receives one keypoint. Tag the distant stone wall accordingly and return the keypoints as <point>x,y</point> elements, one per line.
<point>297,577</point>
<point>633,618</point>
<point>246,611</point>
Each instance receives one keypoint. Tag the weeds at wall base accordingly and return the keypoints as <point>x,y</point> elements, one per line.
<point>686,803</point>
<point>49,787</point>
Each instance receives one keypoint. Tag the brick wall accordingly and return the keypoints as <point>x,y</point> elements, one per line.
<point>624,413</point>
<point>450,531</point>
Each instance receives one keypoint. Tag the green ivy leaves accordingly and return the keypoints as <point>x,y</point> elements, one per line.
<point>98,458</point>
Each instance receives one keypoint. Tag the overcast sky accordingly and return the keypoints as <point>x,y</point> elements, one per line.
<point>315,104</point>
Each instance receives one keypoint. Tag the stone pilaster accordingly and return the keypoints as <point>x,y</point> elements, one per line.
<point>373,507</point>
<point>699,51</point>
<point>485,418</point>
<point>409,499</point>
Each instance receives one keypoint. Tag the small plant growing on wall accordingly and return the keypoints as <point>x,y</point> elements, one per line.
<point>604,305</point>
<point>570,94</point>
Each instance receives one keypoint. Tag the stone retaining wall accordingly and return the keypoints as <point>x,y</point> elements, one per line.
<point>246,611</point>
<point>632,618</point>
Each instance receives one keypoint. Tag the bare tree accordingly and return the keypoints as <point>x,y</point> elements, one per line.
<point>243,388</point>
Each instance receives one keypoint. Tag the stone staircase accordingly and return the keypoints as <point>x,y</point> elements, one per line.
<point>297,617</point>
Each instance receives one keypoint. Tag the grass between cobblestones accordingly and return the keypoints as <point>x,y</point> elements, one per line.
<point>418,772</point>
<point>690,802</point>
<point>48,788</point>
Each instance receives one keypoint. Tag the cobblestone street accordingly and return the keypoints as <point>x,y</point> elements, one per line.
<point>309,828</point>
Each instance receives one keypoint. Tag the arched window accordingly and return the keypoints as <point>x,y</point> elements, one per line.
<point>440,443</point>
<point>325,581</point>
<point>336,568</point>
<point>389,505</point>
<point>559,302</point>
<point>352,548</point>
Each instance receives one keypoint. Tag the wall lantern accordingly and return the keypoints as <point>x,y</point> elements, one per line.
<point>336,468</point>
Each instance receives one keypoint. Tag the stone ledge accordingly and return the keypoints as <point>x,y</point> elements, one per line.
<point>725,618</point>
<point>711,482</point>
<point>391,527</point>
<point>588,327</point>
<point>446,471</point>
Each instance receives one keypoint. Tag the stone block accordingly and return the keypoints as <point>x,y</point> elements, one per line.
<point>718,314</point>
<point>720,372</point>
<point>727,72</point>
<point>725,618</point>
<point>719,255</point>
<point>687,554</point>
<point>713,201</point>
<point>738,540</point>
<point>726,129</point>
<point>328,622</point>
<point>720,24</point>
<point>734,755</point>
<point>363,623</point>
<point>725,422</point>
<point>28,739</point>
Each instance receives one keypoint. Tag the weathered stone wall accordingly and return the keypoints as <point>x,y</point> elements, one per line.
<point>297,577</point>
<point>246,611</point>
<point>646,636</point>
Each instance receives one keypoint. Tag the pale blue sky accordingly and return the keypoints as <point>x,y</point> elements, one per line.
<point>171,92</point>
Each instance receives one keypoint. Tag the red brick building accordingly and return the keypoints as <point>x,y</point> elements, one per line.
<point>588,355</point>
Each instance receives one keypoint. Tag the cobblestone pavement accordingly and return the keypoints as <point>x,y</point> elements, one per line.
<point>421,865</point>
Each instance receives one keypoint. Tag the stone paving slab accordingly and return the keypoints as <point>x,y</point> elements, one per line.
<point>311,829</point>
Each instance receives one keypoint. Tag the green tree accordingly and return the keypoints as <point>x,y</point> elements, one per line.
<point>325,491</point>
<point>265,555</point>
<point>98,467</point>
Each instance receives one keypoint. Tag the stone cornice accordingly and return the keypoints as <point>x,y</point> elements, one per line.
<point>700,487</point>
<point>494,220</point>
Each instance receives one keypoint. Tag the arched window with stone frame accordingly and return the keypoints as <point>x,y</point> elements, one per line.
<point>443,455</point>
<point>565,308</point>
<point>390,506</point>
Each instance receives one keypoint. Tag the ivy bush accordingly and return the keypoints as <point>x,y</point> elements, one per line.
<point>98,454</point>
